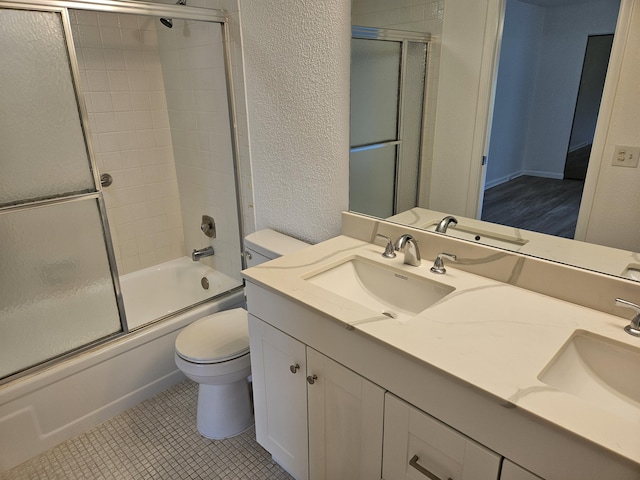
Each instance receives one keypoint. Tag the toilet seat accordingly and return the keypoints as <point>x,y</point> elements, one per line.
<point>218,338</point>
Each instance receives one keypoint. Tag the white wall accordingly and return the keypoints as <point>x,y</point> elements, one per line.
<point>296,60</point>
<point>513,102</point>
<point>463,100</point>
<point>541,61</point>
<point>614,218</point>
<point>564,40</point>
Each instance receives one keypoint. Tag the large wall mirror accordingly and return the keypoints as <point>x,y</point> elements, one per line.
<point>515,131</point>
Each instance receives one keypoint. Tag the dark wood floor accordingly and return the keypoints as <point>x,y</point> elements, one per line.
<point>539,204</point>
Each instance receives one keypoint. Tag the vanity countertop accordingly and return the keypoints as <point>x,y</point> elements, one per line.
<point>494,336</point>
<point>594,257</point>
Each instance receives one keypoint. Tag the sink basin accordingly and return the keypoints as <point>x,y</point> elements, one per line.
<point>598,370</point>
<point>493,239</point>
<point>632,272</point>
<point>383,288</point>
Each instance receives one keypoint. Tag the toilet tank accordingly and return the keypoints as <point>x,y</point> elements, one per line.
<point>265,245</point>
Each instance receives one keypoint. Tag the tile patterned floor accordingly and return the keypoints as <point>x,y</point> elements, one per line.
<point>157,439</point>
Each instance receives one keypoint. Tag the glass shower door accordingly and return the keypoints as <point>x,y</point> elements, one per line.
<point>388,72</point>
<point>57,291</point>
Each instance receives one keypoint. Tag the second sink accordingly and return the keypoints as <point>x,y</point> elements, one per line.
<point>390,291</point>
<point>598,370</point>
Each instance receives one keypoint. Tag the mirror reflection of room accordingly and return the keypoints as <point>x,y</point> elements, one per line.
<point>549,119</point>
<point>551,72</point>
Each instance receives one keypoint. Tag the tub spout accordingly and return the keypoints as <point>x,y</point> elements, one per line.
<point>203,252</point>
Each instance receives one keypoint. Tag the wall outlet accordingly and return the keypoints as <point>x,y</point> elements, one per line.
<point>625,156</point>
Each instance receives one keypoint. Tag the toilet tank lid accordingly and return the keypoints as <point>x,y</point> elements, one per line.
<point>215,338</point>
<point>272,244</point>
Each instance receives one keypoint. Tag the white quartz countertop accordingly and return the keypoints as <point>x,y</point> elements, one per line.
<point>491,335</point>
<point>594,257</point>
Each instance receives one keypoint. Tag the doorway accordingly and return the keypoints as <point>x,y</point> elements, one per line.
<point>594,71</point>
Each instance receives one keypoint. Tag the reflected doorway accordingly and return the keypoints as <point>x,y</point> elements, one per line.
<point>539,118</point>
<point>594,71</point>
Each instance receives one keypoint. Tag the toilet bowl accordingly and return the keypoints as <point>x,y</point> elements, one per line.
<point>214,352</point>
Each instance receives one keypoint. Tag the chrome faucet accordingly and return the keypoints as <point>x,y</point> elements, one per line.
<point>634,327</point>
<point>438,264</point>
<point>407,244</point>
<point>445,222</point>
<point>388,249</point>
<point>203,252</point>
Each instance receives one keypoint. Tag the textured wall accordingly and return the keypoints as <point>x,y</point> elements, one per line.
<point>298,109</point>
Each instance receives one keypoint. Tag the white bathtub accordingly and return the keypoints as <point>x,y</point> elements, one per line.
<point>46,408</point>
<point>164,289</point>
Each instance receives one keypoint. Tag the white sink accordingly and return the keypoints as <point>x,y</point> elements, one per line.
<point>632,271</point>
<point>485,237</point>
<point>383,288</point>
<point>598,370</point>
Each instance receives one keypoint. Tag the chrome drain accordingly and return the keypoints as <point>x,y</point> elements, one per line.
<point>205,283</point>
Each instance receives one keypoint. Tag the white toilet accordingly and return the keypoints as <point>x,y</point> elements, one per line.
<point>214,351</point>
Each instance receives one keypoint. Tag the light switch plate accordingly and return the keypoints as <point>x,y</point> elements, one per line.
<point>625,156</point>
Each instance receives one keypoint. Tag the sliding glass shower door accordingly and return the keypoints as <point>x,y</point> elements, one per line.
<point>388,72</point>
<point>57,290</point>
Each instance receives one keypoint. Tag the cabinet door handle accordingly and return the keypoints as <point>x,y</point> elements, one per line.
<point>312,379</point>
<point>414,463</point>
<point>294,368</point>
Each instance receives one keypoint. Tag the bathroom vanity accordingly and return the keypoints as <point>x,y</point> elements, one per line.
<point>364,367</point>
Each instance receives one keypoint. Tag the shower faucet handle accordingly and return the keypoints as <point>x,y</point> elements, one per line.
<point>208,226</point>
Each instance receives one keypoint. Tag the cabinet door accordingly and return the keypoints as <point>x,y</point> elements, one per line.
<point>511,471</point>
<point>345,422</point>
<point>280,396</point>
<point>419,447</point>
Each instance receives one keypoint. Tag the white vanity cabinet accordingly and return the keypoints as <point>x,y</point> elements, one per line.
<point>306,402</point>
<point>511,471</point>
<point>419,447</point>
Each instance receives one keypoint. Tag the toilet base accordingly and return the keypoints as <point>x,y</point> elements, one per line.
<point>224,410</point>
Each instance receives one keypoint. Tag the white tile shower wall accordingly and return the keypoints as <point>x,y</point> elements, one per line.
<point>122,81</point>
<point>195,82</point>
<point>426,16</point>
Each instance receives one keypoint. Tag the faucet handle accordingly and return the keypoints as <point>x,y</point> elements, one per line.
<point>388,250</point>
<point>438,264</point>
<point>634,327</point>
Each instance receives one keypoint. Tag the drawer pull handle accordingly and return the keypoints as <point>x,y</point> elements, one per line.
<point>294,368</point>
<point>414,463</point>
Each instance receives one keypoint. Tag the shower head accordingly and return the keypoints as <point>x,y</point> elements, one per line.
<point>168,22</point>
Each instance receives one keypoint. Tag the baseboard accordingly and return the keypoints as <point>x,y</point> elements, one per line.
<point>532,173</point>
<point>539,173</point>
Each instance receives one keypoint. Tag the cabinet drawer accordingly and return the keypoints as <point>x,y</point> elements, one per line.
<point>511,471</point>
<point>419,447</point>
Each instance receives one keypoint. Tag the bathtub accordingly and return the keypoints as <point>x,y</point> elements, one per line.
<point>46,408</point>
<point>164,289</point>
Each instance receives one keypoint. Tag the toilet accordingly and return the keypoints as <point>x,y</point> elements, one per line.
<point>214,351</point>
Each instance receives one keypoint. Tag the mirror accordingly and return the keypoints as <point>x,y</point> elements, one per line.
<point>457,130</point>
